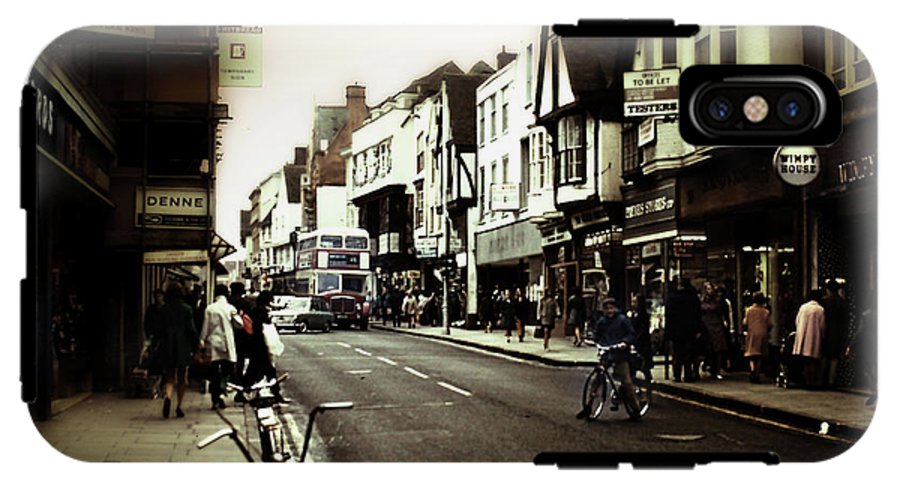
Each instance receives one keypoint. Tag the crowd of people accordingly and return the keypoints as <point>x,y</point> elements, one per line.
<point>697,324</point>
<point>225,338</point>
<point>411,307</point>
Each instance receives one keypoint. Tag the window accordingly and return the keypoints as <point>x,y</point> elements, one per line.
<point>529,73</point>
<point>353,283</point>
<point>670,52</point>
<point>328,282</point>
<point>420,206</point>
<point>504,164</point>
<point>847,65</point>
<point>649,53</point>
<point>727,45</point>
<point>493,100</point>
<point>356,242</point>
<point>701,50</point>
<point>332,242</point>
<point>571,149</point>
<point>420,153</point>
<point>493,178</point>
<point>504,114</point>
<point>481,123</point>
<point>537,159</point>
<point>862,71</point>
<point>481,193</point>
<point>631,153</point>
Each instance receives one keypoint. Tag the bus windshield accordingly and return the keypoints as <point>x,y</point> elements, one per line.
<point>354,283</point>
<point>328,282</point>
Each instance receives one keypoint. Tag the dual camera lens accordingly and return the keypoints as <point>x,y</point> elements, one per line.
<point>792,109</point>
<point>758,105</point>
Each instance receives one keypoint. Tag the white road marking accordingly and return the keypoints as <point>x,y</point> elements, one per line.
<point>359,371</point>
<point>344,344</point>
<point>455,389</point>
<point>415,373</point>
<point>362,351</point>
<point>388,361</point>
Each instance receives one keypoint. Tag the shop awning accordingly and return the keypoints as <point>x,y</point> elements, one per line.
<point>219,248</point>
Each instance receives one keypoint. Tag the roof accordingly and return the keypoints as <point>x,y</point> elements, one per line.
<point>292,174</point>
<point>595,66</point>
<point>461,106</point>
<point>329,121</point>
<point>431,83</point>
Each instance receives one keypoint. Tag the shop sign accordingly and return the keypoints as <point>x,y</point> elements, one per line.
<point>240,56</point>
<point>514,241</point>
<point>176,256</point>
<point>427,247</point>
<point>504,197</point>
<point>652,206</point>
<point>687,248</point>
<point>651,250</point>
<point>171,208</point>
<point>858,169</point>
<point>651,93</point>
<point>797,166</point>
<point>647,132</point>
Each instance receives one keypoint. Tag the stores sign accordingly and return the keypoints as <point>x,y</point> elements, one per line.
<point>797,166</point>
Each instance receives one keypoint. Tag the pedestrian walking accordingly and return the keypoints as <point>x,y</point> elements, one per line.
<point>862,346</point>
<point>261,365</point>
<point>548,313</point>
<point>758,323</point>
<point>396,304</point>
<point>153,325</point>
<point>520,302</point>
<point>507,312</point>
<point>486,312</point>
<point>713,316</point>
<point>576,316</point>
<point>241,336</point>
<point>837,322</point>
<point>220,322</point>
<point>178,342</point>
<point>640,320</point>
<point>810,324</point>
<point>409,309</point>
<point>683,329</point>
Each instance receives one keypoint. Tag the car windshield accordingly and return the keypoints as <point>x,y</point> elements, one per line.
<point>291,303</point>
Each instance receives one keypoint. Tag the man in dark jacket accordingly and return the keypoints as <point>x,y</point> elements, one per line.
<point>683,328</point>
<point>260,361</point>
<point>836,326</point>
<point>613,329</point>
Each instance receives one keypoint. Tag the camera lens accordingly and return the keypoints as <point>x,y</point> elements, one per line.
<point>795,109</point>
<point>720,109</point>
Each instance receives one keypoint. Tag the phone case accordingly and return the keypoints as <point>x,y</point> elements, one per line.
<point>343,204</point>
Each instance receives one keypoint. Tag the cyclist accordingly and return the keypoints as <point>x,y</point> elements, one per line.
<point>613,329</point>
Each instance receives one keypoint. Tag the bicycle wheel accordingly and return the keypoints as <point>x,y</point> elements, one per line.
<point>643,392</point>
<point>594,396</point>
<point>266,445</point>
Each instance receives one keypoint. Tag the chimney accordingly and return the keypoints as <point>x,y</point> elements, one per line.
<point>300,156</point>
<point>356,102</point>
<point>504,58</point>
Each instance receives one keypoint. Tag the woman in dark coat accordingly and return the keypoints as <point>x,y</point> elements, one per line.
<point>178,342</point>
<point>260,361</point>
<point>640,320</point>
<point>507,312</point>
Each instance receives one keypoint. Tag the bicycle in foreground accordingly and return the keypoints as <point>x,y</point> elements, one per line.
<point>264,404</point>
<point>602,388</point>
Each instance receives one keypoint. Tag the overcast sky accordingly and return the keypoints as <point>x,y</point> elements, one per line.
<point>306,66</point>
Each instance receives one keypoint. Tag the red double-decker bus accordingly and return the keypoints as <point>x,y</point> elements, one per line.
<point>333,262</point>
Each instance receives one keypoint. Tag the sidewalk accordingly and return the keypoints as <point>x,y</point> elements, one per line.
<point>845,412</point>
<point>110,427</point>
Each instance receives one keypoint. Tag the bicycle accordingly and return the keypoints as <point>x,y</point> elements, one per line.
<point>271,434</point>
<point>601,388</point>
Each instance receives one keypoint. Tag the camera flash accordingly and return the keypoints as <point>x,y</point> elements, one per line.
<point>756,109</point>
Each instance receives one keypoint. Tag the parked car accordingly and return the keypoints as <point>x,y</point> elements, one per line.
<point>349,308</point>
<point>301,313</point>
